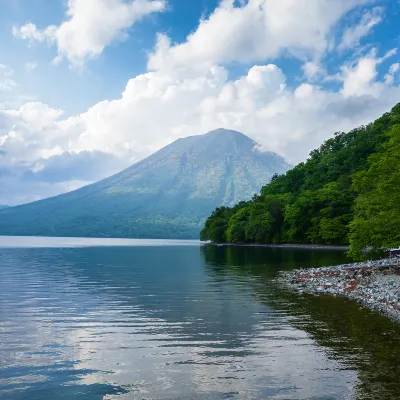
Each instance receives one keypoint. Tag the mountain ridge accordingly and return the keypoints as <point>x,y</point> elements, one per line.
<point>167,194</point>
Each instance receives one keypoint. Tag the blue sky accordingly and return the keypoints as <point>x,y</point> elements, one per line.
<point>102,78</point>
<point>103,83</point>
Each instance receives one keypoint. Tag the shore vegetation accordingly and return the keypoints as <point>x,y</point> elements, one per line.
<point>346,193</point>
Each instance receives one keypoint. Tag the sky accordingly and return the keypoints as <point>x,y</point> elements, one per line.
<point>89,87</point>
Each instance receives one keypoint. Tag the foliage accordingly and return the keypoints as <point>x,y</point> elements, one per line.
<point>345,193</point>
<point>376,222</point>
<point>217,225</point>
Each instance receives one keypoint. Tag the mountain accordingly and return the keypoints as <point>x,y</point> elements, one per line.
<point>2,207</point>
<point>167,195</point>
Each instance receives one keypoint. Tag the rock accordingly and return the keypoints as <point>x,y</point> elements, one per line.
<point>375,284</point>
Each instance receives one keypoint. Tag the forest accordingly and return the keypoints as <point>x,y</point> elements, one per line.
<point>346,193</point>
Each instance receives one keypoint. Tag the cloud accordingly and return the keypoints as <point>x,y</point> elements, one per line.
<point>188,90</point>
<point>86,166</point>
<point>313,70</point>
<point>352,35</point>
<point>7,82</point>
<point>390,76</point>
<point>254,32</point>
<point>24,180</point>
<point>31,33</point>
<point>31,66</point>
<point>15,190</point>
<point>359,79</point>
<point>91,25</point>
<point>155,109</point>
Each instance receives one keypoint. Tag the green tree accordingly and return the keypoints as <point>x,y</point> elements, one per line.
<point>259,226</point>
<point>236,232</point>
<point>376,224</point>
<point>216,225</point>
<point>346,190</point>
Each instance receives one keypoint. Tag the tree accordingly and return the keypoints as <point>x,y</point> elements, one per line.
<point>259,226</point>
<point>376,223</point>
<point>216,225</point>
<point>348,189</point>
<point>236,232</point>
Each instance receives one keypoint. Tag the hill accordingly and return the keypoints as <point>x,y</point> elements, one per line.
<point>347,192</point>
<point>167,195</point>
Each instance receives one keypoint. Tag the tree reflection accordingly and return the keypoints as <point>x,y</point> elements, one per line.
<point>359,339</point>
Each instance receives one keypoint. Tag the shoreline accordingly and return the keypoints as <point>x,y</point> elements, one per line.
<point>285,245</point>
<point>374,284</point>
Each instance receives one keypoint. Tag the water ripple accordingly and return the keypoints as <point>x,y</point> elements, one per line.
<point>171,322</point>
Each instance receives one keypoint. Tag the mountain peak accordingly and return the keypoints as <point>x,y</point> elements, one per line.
<point>228,133</point>
<point>167,195</point>
<point>206,147</point>
<point>224,131</point>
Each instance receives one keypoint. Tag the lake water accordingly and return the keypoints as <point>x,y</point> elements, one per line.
<point>111,319</point>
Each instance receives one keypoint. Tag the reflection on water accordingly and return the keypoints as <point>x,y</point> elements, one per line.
<point>45,242</point>
<point>183,322</point>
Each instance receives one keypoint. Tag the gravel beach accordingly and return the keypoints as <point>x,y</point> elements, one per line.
<point>375,284</point>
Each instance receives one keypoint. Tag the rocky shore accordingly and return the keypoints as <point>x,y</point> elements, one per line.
<point>375,284</point>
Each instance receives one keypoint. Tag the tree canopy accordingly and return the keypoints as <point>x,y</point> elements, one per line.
<point>347,192</point>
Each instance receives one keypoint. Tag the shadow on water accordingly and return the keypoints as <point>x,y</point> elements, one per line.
<point>358,338</point>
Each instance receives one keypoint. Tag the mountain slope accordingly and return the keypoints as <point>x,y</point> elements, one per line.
<point>167,195</point>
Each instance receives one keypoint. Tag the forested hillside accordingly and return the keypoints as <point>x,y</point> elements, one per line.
<point>347,192</point>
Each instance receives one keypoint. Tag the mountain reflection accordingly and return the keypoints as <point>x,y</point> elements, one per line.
<point>180,322</point>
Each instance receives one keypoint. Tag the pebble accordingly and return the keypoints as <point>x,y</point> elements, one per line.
<point>375,284</point>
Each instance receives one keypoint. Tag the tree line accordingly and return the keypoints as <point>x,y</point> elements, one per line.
<point>346,193</point>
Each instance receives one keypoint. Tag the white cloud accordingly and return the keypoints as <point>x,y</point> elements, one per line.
<point>31,33</point>
<point>7,82</point>
<point>352,35</point>
<point>157,108</point>
<point>259,30</point>
<point>359,79</point>
<point>188,91</point>
<point>30,66</point>
<point>313,70</point>
<point>91,25</point>
<point>390,76</point>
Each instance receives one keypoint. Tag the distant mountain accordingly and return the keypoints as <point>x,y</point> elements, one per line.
<point>2,207</point>
<point>167,195</point>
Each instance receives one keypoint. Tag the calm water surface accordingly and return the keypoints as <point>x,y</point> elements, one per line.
<point>89,319</point>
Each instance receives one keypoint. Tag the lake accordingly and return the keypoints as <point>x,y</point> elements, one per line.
<point>120,319</point>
